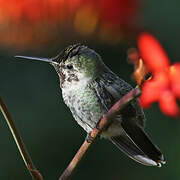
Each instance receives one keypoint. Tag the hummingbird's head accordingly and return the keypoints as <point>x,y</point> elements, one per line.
<point>76,63</point>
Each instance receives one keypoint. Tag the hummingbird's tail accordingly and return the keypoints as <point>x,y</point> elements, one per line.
<point>140,148</point>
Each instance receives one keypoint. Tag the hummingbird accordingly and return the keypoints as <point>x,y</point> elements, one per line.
<point>90,89</point>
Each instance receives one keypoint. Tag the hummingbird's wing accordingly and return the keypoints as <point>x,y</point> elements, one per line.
<point>113,88</point>
<point>134,142</point>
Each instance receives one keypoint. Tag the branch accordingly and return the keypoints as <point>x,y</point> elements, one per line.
<point>106,119</point>
<point>19,142</point>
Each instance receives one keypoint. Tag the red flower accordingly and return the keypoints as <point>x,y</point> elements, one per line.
<point>164,86</point>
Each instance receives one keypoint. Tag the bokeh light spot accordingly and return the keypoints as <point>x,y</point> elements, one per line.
<point>86,20</point>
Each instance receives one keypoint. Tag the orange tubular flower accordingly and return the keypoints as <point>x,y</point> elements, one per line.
<point>164,86</point>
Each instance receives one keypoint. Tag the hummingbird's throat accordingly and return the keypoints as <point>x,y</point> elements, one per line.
<point>62,76</point>
<point>67,79</point>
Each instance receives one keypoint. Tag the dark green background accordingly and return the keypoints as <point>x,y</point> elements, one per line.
<point>31,91</point>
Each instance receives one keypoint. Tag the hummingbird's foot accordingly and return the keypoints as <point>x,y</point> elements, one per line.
<point>101,129</point>
<point>89,138</point>
<point>97,126</point>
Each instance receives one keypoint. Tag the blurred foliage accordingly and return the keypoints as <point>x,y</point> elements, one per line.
<point>31,91</point>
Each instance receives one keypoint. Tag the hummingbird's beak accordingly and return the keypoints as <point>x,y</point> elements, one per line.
<point>49,60</point>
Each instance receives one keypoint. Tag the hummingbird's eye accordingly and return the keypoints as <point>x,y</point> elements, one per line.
<point>69,66</point>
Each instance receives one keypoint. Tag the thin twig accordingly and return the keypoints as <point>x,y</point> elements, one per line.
<point>19,142</point>
<point>106,119</point>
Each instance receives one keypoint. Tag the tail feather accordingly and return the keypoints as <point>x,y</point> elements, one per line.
<point>142,141</point>
<point>126,145</point>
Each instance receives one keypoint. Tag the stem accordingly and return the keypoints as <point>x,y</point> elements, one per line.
<point>105,120</point>
<point>19,142</point>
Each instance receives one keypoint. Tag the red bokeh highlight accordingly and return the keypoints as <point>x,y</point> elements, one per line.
<point>22,21</point>
<point>30,10</point>
<point>113,12</point>
<point>116,12</point>
<point>164,86</point>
